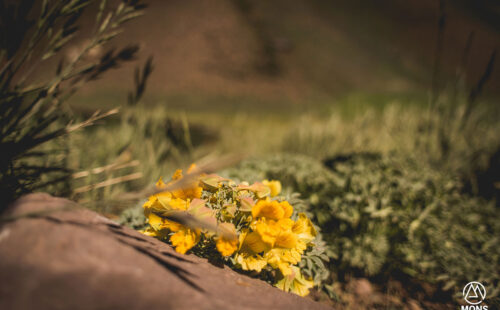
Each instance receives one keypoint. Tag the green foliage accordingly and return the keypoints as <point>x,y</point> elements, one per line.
<point>315,259</point>
<point>314,264</point>
<point>303,174</point>
<point>32,112</point>
<point>382,215</point>
<point>133,217</point>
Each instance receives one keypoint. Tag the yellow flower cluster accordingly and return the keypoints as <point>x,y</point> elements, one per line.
<point>183,238</point>
<point>276,240</point>
<point>253,228</point>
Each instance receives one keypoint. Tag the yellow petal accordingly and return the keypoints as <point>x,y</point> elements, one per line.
<point>226,247</point>
<point>178,204</point>
<point>171,225</point>
<point>163,200</point>
<point>285,283</point>
<point>251,262</point>
<point>227,240</point>
<point>192,168</point>
<point>191,192</point>
<point>268,231</point>
<point>284,268</point>
<point>274,186</point>
<point>287,208</point>
<point>155,221</point>
<point>268,209</point>
<point>254,242</point>
<point>177,175</point>
<point>295,283</point>
<point>241,238</point>
<point>160,183</point>
<point>301,285</point>
<point>286,224</point>
<point>304,229</point>
<point>286,239</point>
<point>275,259</point>
<point>277,255</point>
<point>184,239</point>
<point>149,232</point>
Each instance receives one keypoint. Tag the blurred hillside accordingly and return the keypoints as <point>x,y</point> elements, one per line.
<point>300,51</point>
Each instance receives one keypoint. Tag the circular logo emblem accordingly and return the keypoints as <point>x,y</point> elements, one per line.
<point>474,293</point>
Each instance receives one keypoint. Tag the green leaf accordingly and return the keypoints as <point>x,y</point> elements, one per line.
<point>211,182</point>
<point>258,188</point>
<point>246,204</point>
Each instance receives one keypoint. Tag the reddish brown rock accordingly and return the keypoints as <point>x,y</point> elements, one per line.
<point>57,255</point>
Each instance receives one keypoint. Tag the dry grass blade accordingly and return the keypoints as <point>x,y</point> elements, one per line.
<point>91,120</point>
<point>109,182</point>
<point>188,220</point>
<point>207,165</point>
<point>99,170</point>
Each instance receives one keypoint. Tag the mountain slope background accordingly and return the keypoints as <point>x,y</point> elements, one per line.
<point>234,53</point>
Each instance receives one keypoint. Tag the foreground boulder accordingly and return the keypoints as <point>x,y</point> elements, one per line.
<point>57,255</point>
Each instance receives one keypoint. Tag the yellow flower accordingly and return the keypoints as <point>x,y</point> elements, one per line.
<point>227,241</point>
<point>160,234</point>
<point>246,257</point>
<point>159,203</point>
<point>177,204</point>
<point>271,231</point>
<point>188,193</point>
<point>155,221</point>
<point>304,229</point>
<point>158,223</point>
<point>274,259</point>
<point>185,239</point>
<point>286,239</point>
<point>163,201</point>
<point>301,285</point>
<point>160,184</point>
<point>154,202</point>
<point>272,209</point>
<point>191,191</point>
<point>250,261</point>
<point>292,256</point>
<point>253,242</point>
<point>267,230</point>
<point>177,175</point>
<point>242,236</point>
<point>274,186</point>
<point>295,283</point>
<point>287,208</point>
<point>226,247</point>
<point>149,232</point>
<point>283,259</point>
<point>269,236</point>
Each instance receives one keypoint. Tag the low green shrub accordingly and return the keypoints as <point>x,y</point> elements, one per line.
<point>384,216</point>
<point>134,218</point>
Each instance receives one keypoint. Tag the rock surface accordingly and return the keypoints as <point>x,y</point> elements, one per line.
<point>57,255</point>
